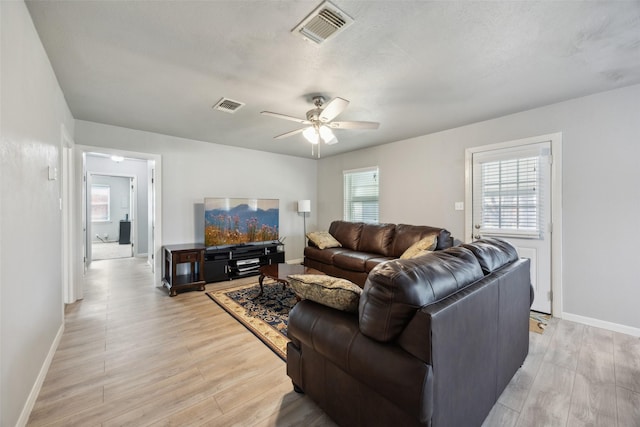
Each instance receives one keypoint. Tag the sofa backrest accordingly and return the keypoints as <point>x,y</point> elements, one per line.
<point>396,289</point>
<point>385,239</point>
<point>347,233</point>
<point>377,238</point>
<point>407,235</point>
<point>492,254</point>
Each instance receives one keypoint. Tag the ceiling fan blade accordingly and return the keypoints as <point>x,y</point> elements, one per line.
<point>285,117</point>
<point>332,109</point>
<point>293,132</point>
<point>353,125</point>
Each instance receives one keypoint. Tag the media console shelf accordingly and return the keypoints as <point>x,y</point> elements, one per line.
<point>233,262</point>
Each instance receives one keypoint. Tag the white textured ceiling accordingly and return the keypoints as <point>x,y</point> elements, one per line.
<point>416,67</point>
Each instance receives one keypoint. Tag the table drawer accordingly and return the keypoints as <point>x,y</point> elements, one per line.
<point>188,256</point>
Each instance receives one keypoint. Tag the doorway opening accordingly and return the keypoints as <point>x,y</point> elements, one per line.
<point>142,203</point>
<point>112,213</point>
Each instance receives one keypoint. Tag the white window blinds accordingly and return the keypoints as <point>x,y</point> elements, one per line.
<point>361,195</point>
<point>100,202</point>
<point>508,193</point>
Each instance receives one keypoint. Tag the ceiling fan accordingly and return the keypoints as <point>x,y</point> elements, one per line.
<point>320,121</point>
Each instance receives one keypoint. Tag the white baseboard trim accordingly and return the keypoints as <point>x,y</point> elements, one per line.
<point>37,386</point>
<point>615,327</point>
<point>296,261</point>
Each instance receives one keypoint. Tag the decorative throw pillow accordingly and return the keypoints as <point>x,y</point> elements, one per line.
<point>334,292</point>
<point>323,240</point>
<point>418,253</point>
<point>427,244</point>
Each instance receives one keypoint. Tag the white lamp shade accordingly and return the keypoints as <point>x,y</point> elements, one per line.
<point>304,206</point>
<point>311,135</point>
<point>326,134</point>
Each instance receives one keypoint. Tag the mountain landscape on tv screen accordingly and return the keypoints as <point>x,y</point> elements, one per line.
<point>240,224</point>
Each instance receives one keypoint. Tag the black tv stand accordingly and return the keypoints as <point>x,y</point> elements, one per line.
<point>228,263</point>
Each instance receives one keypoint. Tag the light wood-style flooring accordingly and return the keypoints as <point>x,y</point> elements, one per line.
<point>131,355</point>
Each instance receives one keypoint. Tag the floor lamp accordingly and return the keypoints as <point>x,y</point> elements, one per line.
<point>304,206</point>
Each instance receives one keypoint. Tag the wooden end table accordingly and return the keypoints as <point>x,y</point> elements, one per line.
<point>280,273</point>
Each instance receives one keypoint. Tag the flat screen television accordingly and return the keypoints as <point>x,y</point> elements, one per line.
<point>233,221</point>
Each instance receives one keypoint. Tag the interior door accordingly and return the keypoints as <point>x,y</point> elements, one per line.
<point>512,201</point>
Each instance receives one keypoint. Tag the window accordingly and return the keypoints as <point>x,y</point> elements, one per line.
<point>361,195</point>
<point>100,202</point>
<point>508,196</point>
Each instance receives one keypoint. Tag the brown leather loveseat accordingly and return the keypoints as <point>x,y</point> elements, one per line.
<point>366,245</point>
<point>435,341</point>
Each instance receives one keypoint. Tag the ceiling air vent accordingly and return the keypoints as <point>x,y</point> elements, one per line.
<point>228,105</point>
<point>324,22</point>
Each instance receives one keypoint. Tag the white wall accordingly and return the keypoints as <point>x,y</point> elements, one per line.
<point>32,111</point>
<point>193,170</point>
<point>127,167</point>
<point>421,178</point>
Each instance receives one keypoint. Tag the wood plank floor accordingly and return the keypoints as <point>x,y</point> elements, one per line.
<point>130,355</point>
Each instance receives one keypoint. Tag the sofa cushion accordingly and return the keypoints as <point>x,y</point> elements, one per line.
<point>419,247</point>
<point>352,260</point>
<point>334,292</point>
<point>323,240</point>
<point>347,233</point>
<point>324,256</point>
<point>492,254</point>
<point>372,262</point>
<point>396,289</point>
<point>377,238</point>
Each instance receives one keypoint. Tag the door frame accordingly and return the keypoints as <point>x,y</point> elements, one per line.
<point>155,160</point>
<point>71,288</point>
<point>133,210</point>
<point>556,205</point>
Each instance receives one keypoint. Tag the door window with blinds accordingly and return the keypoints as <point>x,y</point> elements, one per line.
<point>508,192</point>
<point>361,195</point>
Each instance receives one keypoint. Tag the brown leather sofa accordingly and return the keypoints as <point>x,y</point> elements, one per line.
<point>366,245</point>
<point>436,340</point>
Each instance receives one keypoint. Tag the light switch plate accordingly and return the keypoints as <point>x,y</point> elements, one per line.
<point>53,173</point>
<point>459,206</point>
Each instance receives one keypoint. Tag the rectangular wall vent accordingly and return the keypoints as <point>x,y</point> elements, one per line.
<point>228,105</point>
<point>323,23</point>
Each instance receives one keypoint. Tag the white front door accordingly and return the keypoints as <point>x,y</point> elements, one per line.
<point>511,199</point>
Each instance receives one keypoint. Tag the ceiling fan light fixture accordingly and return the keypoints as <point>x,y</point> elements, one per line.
<point>326,134</point>
<point>331,141</point>
<point>311,135</point>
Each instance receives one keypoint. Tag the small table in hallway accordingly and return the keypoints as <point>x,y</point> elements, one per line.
<point>280,273</point>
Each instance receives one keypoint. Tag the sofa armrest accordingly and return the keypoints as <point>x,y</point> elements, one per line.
<point>386,368</point>
<point>475,339</point>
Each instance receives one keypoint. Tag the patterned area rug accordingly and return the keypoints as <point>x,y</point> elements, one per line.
<point>265,316</point>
